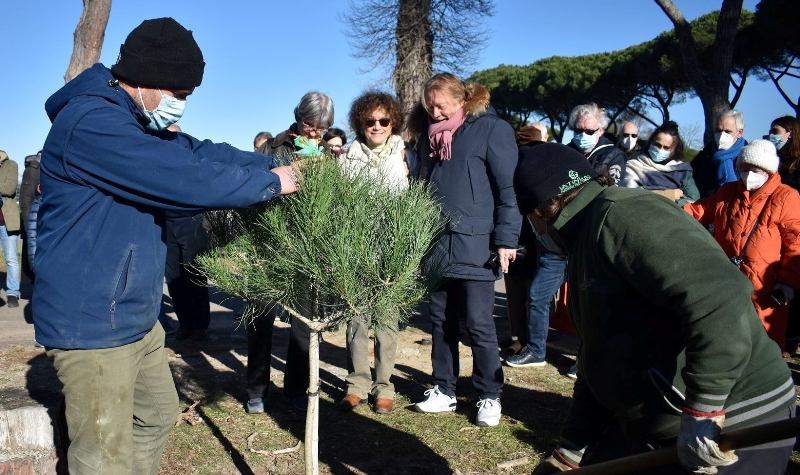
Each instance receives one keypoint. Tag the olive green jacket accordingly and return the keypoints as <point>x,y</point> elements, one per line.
<point>665,320</point>
<point>8,188</point>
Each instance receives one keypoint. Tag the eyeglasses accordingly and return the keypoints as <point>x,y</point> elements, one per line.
<point>585,131</point>
<point>384,122</point>
<point>313,127</point>
<point>630,135</point>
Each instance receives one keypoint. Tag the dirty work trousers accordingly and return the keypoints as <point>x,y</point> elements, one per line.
<point>120,405</point>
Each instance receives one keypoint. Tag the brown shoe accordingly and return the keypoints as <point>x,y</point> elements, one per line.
<point>383,405</point>
<point>350,402</point>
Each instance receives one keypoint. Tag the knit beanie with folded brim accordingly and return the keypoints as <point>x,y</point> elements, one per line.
<point>760,153</point>
<point>546,171</point>
<point>160,53</point>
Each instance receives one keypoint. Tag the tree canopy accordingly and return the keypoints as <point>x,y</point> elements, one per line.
<point>643,80</point>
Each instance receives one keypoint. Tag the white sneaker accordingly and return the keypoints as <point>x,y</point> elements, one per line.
<point>436,401</point>
<point>489,411</point>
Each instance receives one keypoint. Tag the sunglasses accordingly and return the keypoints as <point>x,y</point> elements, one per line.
<point>585,131</point>
<point>384,122</point>
<point>630,135</point>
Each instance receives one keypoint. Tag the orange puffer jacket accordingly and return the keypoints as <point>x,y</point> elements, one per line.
<point>773,253</point>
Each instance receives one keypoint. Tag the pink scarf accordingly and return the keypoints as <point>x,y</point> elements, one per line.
<point>440,134</point>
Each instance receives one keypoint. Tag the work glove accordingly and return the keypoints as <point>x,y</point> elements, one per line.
<point>697,447</point>
<point>555,463</point>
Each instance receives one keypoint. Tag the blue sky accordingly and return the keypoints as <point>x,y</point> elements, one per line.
<point>262,56</point>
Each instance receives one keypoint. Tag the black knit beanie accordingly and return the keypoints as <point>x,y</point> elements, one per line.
<point>546,171</point>
<point>160,53</point>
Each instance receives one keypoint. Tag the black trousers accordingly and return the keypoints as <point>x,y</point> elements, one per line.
<point>472,301</point>
<point>186,238</point>
<point>259,355</point>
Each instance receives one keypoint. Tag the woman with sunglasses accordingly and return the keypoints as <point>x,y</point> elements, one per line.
<point>662,169</point>
<point>379,152</point>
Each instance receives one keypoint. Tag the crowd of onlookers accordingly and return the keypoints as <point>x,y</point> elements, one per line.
<point>718,185</point>
<point>679,269</point>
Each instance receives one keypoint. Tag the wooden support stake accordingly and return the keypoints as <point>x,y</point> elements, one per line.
<point>738,439</point>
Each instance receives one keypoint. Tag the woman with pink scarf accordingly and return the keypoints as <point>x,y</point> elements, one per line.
<point>468,155</point>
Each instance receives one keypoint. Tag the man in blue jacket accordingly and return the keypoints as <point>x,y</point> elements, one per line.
<point>109,170</point>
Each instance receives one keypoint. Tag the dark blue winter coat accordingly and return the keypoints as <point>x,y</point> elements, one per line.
<point>476,191</point>
<point>105,183</point>
<point>605,158</point>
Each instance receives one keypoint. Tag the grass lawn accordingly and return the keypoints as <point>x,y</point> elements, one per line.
<point>534,402</point>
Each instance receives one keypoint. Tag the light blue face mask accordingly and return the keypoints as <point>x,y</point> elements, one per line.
<point>658,155</point>
<point>777,141</point>
<point>585,141</point>
<point>168,111</point>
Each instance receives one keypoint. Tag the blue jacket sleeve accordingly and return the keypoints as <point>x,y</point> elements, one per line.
<point>178,174</point>
<point>501,158</point>
<point>224,153</point>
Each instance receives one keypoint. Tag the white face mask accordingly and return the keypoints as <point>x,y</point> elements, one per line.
<point>168,111</point>
<point>724,140</point>
<point>628,143</point>
<point>753,180</point>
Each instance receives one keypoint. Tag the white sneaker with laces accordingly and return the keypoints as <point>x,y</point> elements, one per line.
<point>436,401</point>
<point>489,411</point>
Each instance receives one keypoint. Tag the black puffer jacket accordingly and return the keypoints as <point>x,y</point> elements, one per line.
<point>475,188</point>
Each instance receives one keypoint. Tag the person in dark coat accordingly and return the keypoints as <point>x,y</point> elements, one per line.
<point>520,273</point>
<point>628,140</point>
<point>313,116</point>
<point>468,155</point>
<point>27,193</point>
<point>188,289</point>
<point>589,122</point>
<point>672,352</point>
<point>715,164</point>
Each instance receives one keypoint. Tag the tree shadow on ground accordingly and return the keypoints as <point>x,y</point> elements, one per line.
<point>43,386</point>
<point>542,413</point>
<point>212,369</point>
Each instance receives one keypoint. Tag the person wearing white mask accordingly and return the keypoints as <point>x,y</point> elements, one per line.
<point>715,164</point>
<point>783,132</point>
<point>661,168</point>
<point>589,122</point>
<point>628,140</point>
<point>111,169</point>
<point>756,222</point>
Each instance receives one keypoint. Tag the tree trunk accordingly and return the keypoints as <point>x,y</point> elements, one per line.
<point>414,54</point>
<point>710,81</point>
<point>88,36</point>
<point>312,418</point>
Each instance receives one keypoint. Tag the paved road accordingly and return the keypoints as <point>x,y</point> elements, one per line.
<point>15,329</point>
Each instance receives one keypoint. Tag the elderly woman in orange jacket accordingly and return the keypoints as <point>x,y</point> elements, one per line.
<point>757,222</point>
